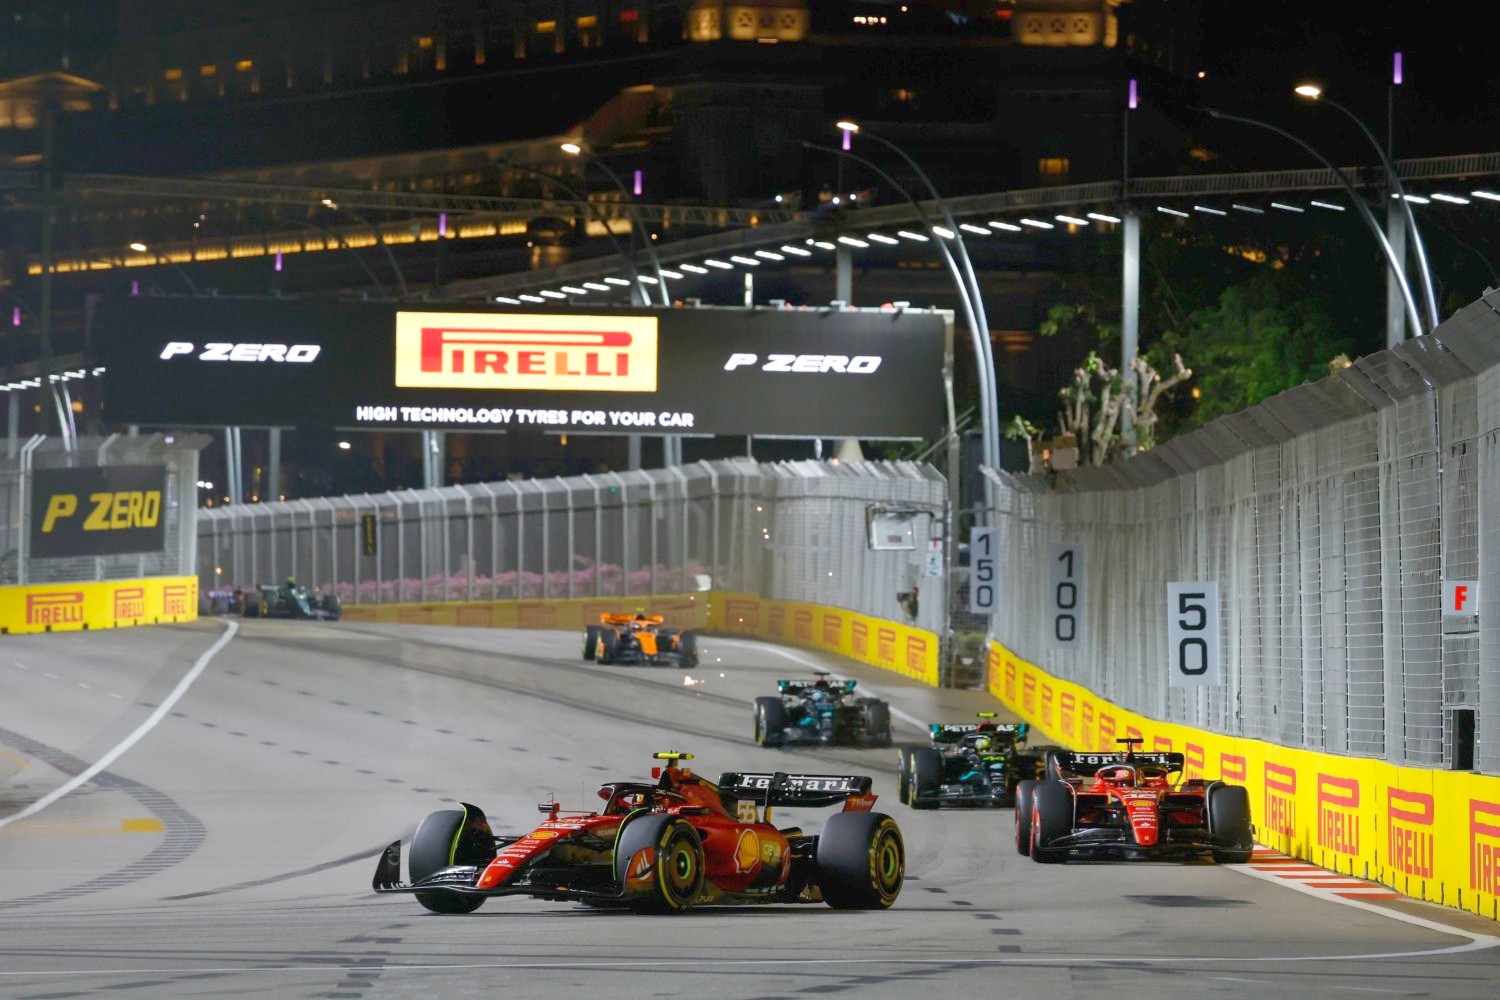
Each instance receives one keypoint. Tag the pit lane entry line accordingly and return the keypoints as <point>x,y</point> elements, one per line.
<point>145,727</point>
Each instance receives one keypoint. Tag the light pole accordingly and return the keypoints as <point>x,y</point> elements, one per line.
<point>343,245</point>
<point>574,149</point>
<point>333,206</point>
<point>638,287</point>
<point>159,259</point>
<point>988,395</point>
<point>1313,92</point>
<point>1364,210</point>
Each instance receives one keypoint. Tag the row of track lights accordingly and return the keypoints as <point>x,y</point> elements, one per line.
<point>1072,222</point>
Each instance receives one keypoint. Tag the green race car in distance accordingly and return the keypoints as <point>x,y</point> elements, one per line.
<point>969,764</point>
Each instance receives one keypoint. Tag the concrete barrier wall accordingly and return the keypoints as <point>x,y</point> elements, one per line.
<point>909,651</point>
<point>1430,834</point>
<point>68,607</point>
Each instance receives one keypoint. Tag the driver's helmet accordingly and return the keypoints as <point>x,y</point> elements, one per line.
<point>291,581</point>
<point>983,744</point>
<point>1122,774</point>
<point>819,692</point>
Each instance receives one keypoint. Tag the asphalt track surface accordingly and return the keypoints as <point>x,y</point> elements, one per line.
<point>228,852</point>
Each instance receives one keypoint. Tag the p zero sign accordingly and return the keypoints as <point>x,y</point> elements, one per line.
<point>108,511</point>
<point>771,373</point>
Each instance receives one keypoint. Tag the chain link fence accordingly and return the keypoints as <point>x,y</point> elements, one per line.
<point>177,453</point>
<point>794,531</point>
<point>1329,515</point>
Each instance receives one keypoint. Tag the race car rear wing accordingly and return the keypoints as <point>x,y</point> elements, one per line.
<point>781,789</point>
<point>1089,764</point>
<point>953,732</point>
<point>797,687</point>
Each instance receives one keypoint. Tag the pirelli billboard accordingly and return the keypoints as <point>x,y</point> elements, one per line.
<point>790,373</point>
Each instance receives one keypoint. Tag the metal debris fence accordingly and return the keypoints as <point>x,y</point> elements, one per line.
<point>793,530</point>
<point>1329,515</point>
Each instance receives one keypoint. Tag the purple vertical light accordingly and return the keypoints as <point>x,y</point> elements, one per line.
<point>442,224</point>
<point>848,139</point>
<point>1396,70</point>
<point>135,288</point>
<point>640,183</point>
<point>278,260</point>
<point>15,316</point>
<point>1133,101</point>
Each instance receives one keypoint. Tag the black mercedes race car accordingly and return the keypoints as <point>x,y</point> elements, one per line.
<point>820,711</point>
<point>969,764</point>
<point>291,601</point>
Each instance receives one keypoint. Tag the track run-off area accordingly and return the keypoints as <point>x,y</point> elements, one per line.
<point>227,850</point>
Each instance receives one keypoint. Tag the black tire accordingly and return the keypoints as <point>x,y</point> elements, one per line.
<point>877,724</point>
<point>1023,816</point>
<point>1229,824</point>
<point>861,861</point>
<point>687,650</point>
<point>438,843</point>
<point>926,777</point>
<point>1051,819</point>
<point>770,721</point>
<point>676,874</point>
<point>252,606</point>
<point>590,641</point>
<point>333,606</point>
<point>903,772</point>
<point>609,646</point>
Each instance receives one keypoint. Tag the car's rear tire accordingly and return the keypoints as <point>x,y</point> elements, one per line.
<point>1228,809</point>
<point>333,606</point>
<point>590,641</point>
<point>687,650</point>
<point>439,843</point>
<point>770,721</point>
<point>1051,820</point>
<point>1023,816</point>
<point>877,724</point>
<point>676,874</point>
<point>609,646</point>
<point>926,777</point>
<point>252,606</point>
<point>861,861</point>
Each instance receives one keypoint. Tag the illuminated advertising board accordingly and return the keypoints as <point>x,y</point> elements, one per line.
<point>280,362</point>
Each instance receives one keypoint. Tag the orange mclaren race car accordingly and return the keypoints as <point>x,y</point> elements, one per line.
<point>665,847</point>
<point>639,638</point>
<point>1130,805</point>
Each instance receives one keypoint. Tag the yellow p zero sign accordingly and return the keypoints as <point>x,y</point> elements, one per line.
<point>113,510</point>
<point>525,351</point>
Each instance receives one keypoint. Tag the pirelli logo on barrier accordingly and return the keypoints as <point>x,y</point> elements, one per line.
<point>1281,799</point>
<point>1010,680</point>
<point>54,607</point>
<point>802,625</point>
<point>1028,692</point>
<point>1409,820</point>
<point>833,629</point>
<point>1232,767</point>
<point>916,654</point>
<point>885,645</point>
<point>130,602</point>
<point>1338,814</point>
<point>1106,731</point>
<point>105,511</point>
<point>519,351</point>
<point>1192,760</point>
<point>859,638</point>
<point>178,598</point>
<point>1048,696</point>
<point>1484,846</point>
<point>742,616</point>
<point>1067,721</point>
<point>777,622</point>
<point>1161,744</point>
<point>1087,735</point>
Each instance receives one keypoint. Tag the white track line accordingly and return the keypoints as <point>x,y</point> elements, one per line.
<point>133,738</point>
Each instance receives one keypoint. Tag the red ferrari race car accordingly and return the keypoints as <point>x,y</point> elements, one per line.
<point>665,847</point>
<point>1132,806</point>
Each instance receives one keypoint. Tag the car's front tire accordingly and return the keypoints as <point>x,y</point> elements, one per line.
<point>1051,820</point>
<point>1228,808</point>
<point>440,843</point>
<point>877,724</point>
<point>674,880</point>
<point>926,777</point>
<point>1023,816</point>
<point>590,641</point>
<point>687,650</point>
<point>770,721</point>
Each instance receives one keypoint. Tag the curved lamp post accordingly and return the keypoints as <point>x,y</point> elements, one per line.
<point>333,206</point>
<point>638,288</point>
<point>574,149</point>
<point>1397,271</point>
<point>1313,92</point>
<point>989,432</point>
